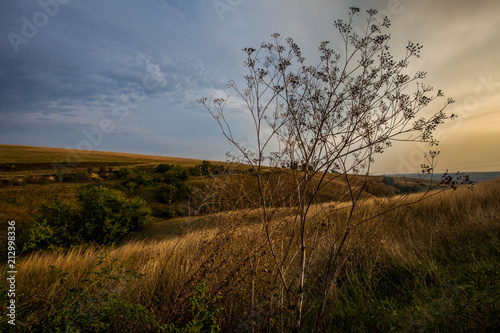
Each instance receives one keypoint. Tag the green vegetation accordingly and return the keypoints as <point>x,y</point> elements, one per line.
<point>104,217</point>
<point>203,310</point>
<point>401,188</point>
<point>208,169</point>
<point>123,173</point>
<point>88,305</point>
<point>284,246</point>
<point>432,267</point>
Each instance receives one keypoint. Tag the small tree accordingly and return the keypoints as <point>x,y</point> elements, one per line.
<point>311,119</point>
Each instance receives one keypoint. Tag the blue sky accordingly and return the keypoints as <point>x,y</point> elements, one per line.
<point>125,75</point>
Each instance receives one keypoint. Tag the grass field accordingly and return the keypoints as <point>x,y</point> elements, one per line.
<point>29,178</point>
<point>28,154</point>
<point>433,266</point>
<point>22,160</point>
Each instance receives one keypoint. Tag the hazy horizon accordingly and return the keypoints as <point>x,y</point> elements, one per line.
<point>123,76</point>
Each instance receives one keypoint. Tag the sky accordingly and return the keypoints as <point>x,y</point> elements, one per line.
<point>125,75</point>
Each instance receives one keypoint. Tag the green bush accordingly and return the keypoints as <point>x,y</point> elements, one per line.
<point>408,188</point>
<point>208,169</point>
<point>123,173</point>
<point>56,227</point>
<point>167,193</point>
<point>131,185</point>
<point>388,181</point>
<point>104,216</point>
<point>176,176</point>
<point>194,171</point>
<point>166,212</point>
<point>162,168</point>
<point>185,191</point>
<point>203,312</point>
<point>80,176</point>
<point>141,179</point>
<point>59,175</point>
<point>103,172</point>
<point>108,211</point>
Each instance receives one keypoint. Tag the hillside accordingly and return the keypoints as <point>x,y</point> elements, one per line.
<point>412,258</point>
<point>21,160</point>
<point>430,268</point>
<point>32,176</point>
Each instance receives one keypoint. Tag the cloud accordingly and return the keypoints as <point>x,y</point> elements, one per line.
<point>144,64</point>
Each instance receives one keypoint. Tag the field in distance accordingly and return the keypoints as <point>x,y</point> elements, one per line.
<point>20,160</point>
<point>32,176</point>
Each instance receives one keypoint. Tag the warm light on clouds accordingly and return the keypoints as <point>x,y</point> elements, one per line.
<point>142,65</point>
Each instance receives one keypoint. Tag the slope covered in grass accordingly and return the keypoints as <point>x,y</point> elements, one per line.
<point>431,267</point>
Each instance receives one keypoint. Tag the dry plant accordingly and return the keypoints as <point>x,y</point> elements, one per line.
<point>222,249</point>
<point>315,124</point>
<point>243,272</point>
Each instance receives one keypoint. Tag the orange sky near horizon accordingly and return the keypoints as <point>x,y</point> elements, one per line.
<point>462,57</point>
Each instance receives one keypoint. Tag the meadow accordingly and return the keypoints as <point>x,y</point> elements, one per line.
<point>429,266</point>
<point>12,154</point>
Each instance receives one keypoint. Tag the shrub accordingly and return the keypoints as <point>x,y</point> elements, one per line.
<point>176,176</point>
<point>207,169</point>
<point>185,191</point>
<point>408,188</point>
<point>104,216</point>
<point>80,176</point>
<point>141,178</point>
<point>167,193</point>
<point>388,181</point>
<point>203,312</point>
<point>103,172</point>
<point>162,168</point>
<point>55,227</point>
<point>156,180</point>
<point>109,215</point>
<point>332,115</point>
<point>134,183</point>
<point>131,185</point>
<point>166,212</point>
<point>194,171</point>
<point>123,173</point>
<point>59,175</point>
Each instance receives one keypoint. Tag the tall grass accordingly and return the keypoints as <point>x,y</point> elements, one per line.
<point>424,267</point>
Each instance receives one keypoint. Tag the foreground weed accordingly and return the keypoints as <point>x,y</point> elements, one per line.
<point>92,304</point>
<point>203,312</point>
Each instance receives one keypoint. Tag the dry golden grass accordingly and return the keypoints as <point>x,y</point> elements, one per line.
<point>21,203</point>
<point>22,161</point>
<point>30,154</point>
<point>403,233</point>
<point>173,254</point>
<point>168,266</point>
